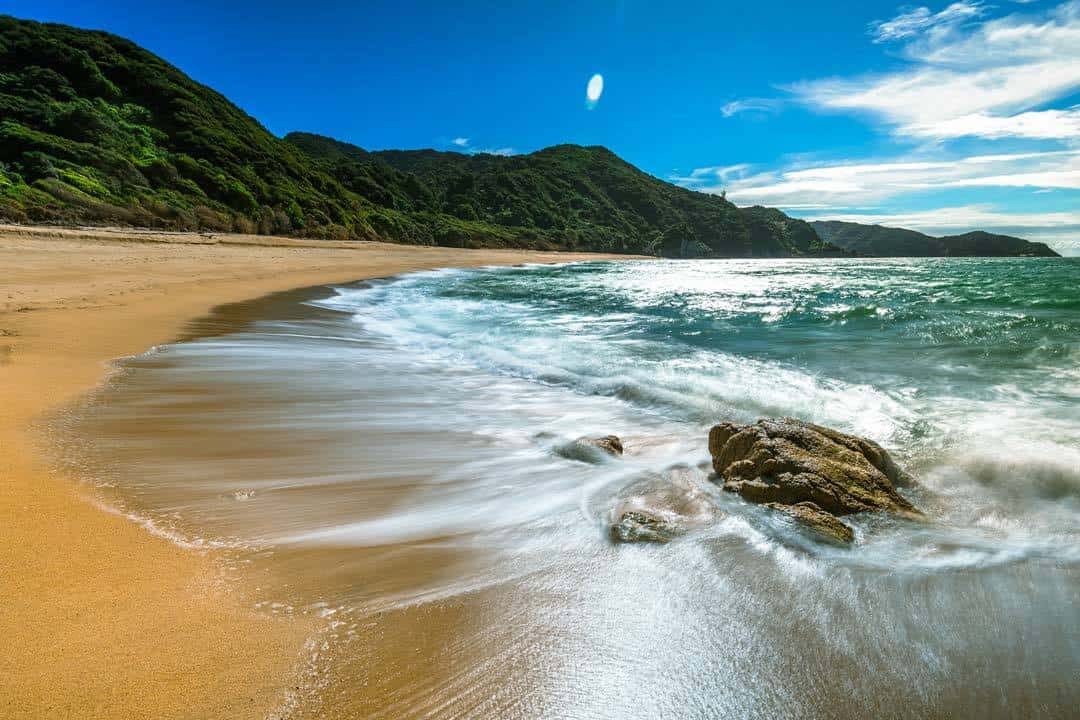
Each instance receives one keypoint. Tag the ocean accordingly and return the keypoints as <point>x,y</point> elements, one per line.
<point>397,458</point>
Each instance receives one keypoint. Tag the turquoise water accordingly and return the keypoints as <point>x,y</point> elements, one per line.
<point>395,451</point>
<point>929,357</point>
<point>940,328</point>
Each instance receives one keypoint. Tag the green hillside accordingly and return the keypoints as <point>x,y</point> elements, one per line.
<point>583,197</point>
<point>96,130</point>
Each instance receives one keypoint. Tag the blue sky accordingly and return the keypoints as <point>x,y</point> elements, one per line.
<point>942,117</point>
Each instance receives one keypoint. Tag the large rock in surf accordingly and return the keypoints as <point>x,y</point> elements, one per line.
<point>789,462</point>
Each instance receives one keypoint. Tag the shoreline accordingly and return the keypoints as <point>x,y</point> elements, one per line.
<point>102,617</point>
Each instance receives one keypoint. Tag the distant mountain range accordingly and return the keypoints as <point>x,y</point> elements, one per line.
<point>96,130</point>
<point>880,241</point>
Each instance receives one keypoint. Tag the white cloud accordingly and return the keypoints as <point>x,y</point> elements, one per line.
<point>1043,125</point>
<point>709,175</point>
<point>848,184</point>
<point>460,141</point>
<point>753,105</point>
<point>920,19</point>
<point>987,79</point>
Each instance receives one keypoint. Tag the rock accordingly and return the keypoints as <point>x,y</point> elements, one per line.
<point>660,506</point>
<point>634,526</point>
<point>788,462</point>
<point>821,522</point>
<point>611,444</point>
<point>591,449</point>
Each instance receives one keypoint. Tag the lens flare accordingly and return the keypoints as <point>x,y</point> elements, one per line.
<point>594,90</point>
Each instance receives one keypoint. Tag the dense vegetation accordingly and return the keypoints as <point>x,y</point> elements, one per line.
<point>568,195</point>
<point>876,240</point>
<point>95,130</point>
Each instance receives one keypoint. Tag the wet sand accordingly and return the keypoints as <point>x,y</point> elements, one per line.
<point>101,618</point>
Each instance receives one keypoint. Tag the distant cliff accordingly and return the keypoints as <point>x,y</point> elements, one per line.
<point>879,241</point>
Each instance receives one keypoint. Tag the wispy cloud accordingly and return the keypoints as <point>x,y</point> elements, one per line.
<point>751,105</point>
<point>986,79</point>
<point>1042,125</point>
<point>850,184</point>
<point>921,19</point>
<point>709,176</point>
<point>460,141</point>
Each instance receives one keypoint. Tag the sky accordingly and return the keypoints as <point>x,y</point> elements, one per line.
<point>943,117</point>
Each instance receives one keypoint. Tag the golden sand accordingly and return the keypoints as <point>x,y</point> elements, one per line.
<point>99,618</point>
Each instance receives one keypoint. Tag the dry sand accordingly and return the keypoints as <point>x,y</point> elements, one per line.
<point>99,618</point>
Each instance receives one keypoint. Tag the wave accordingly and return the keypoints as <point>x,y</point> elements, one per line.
<point>689,348</point>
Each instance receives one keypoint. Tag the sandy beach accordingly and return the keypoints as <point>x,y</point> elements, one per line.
<point>99,617</point>
<point>373,362</point>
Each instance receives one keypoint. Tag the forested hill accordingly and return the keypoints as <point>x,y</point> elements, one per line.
<point>96,130</point>
<point>880,241</point>
<point>586,195</point>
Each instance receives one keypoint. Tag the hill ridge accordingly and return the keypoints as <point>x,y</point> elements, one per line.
<point>885,241</point>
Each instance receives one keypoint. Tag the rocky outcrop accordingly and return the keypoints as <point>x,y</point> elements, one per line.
<point>660,506</point>
<point>811,516</point>
<point>808,470</point>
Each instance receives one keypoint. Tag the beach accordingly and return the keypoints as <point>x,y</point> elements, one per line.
<point>369,361</point>
<point>304,480</point>
<point>100,617</point>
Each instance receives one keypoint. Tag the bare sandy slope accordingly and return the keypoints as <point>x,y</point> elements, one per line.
<point>99,618</point>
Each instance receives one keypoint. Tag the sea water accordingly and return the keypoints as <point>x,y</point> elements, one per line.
<point>394,454</point>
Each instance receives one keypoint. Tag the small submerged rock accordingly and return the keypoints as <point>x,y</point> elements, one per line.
<point>635,526</point>
<point>611,444</point>
<point>809,472</point>
<point>591,449</point>
<point>660,507</point>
